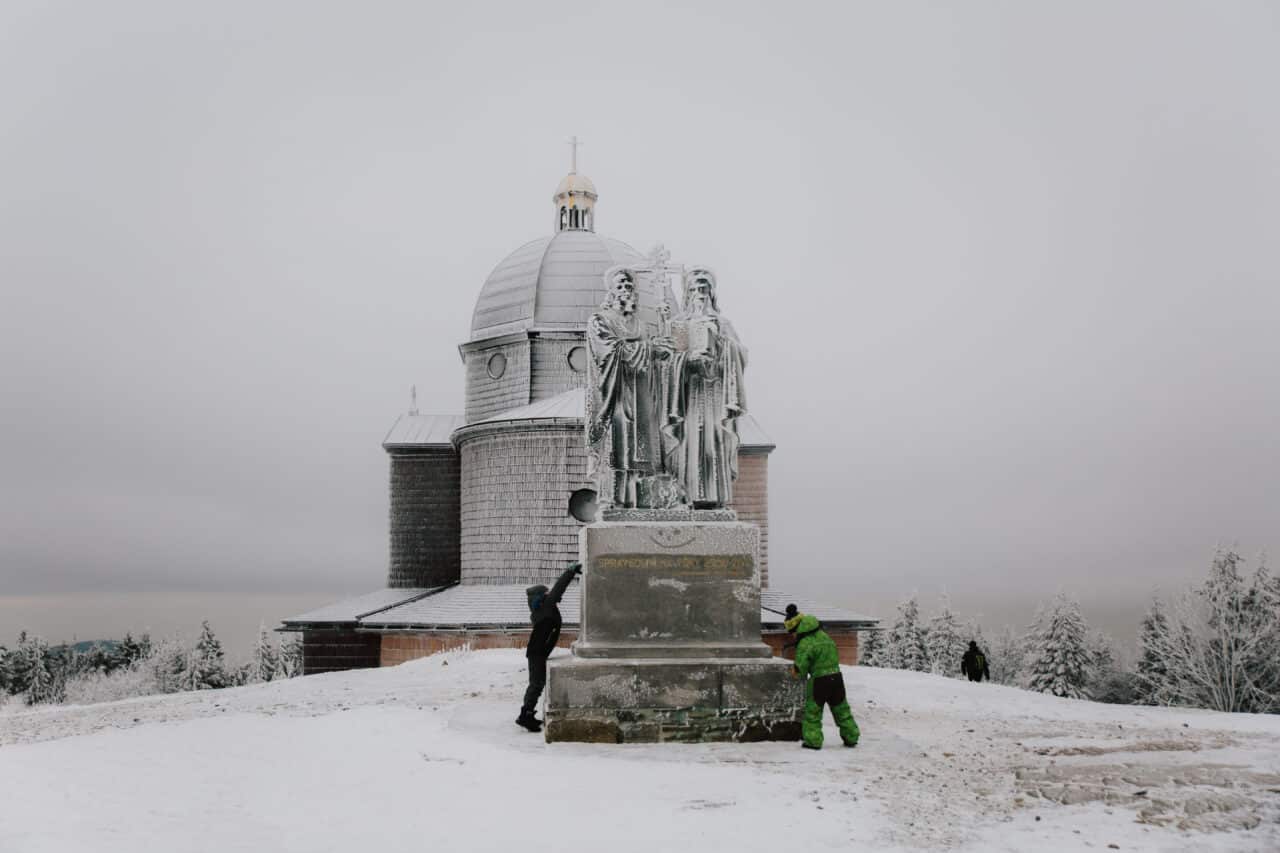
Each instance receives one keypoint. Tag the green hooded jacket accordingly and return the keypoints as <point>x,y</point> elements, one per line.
<point>816,653</point>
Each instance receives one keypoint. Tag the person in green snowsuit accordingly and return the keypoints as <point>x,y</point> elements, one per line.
<point>818,661</point>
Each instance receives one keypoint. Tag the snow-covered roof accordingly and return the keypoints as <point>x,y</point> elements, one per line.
<point>752,435</point>
<point>568,405</point>
<point>505,606</point>
<point>354,609</point>
<point>469,605</point>
<point>422,431</point>
<point>572,404</point>
<point>774,603</point>
<point>551,283</point>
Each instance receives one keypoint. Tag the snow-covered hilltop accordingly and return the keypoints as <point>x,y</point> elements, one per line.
<point>426,755</point>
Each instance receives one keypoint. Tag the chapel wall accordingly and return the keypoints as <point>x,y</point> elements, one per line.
<point>425,518</point>
<point>336,650</point>
<point>846,640</point>
<point>751,501</point>
<point>516,481</point>
<point>488,396</point>
<point>411,645</point>
<point>552,373</point>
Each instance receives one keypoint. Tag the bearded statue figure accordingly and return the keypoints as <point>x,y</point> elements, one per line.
<point>707,396</point>
<point>626,387</point>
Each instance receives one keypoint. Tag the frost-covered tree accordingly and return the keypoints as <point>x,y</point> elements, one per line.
<point>1102,652</point>
<point>41,686</point>
<point>1152,670</point>
<point>291,656</point>
<point>19,665</point>
<point>1106,680</point>
<point>1060,657</point>
<point>1221,643</point>
<point>208,671</point>
<point>171,665</point>
<point>129,651</point>
<point>906,647</point>
<point>1005,656</point>
<point>871,648</point>
<point>266,661</point>
<point>6,673</point>
<point>946,641</point>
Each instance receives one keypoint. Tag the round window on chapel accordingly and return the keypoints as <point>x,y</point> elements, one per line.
<point>496,366</point>
<point>578,359</point>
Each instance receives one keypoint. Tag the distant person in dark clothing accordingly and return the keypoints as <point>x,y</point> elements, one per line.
<point>545,616</point>
<point>974,663</point>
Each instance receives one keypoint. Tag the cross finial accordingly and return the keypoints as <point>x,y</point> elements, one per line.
<point>413,400</point>
<point>573,155</point>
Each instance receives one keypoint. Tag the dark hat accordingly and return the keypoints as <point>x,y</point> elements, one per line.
<point>792,610</point>
<point>535,594</point>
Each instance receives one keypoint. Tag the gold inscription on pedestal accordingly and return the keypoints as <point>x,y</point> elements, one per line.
<point>679,566</point>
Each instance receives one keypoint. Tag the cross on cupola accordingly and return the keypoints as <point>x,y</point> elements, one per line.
<point>575,198</point>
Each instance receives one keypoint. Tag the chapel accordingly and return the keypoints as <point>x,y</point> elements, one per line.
<point>481,494</point>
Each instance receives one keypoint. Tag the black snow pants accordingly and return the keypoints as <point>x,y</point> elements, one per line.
<point>537,681</point>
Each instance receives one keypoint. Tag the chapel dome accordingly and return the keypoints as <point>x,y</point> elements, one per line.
<point>575,183</point>
<point>550,284</point>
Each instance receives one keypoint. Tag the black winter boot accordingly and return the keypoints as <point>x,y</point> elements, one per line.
<point>529,721</point>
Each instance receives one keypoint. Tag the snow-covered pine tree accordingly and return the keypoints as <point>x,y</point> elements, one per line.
<point>291,656</point>
<point>207,669</point>
<point>1005,657</point>
<point>871,648</point>
<point>1102,653</point>
<point>20,665</point>
<point>1060,656</point>
<point>6,673</point>
<point>40,680</point>
<point>128,652</point>
<point>1152,639</point>
<point>170,664</point>
<point>906,640</point>
<point>945,641</point>
<point>1106,680</point>
<point>266,661</point>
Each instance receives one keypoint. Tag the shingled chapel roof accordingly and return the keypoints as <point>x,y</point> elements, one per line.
<point>549,284</point>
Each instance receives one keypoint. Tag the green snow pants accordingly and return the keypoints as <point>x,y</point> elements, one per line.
<point>827,690</point>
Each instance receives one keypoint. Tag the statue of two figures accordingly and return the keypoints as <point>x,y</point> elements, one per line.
<point>664,392</point>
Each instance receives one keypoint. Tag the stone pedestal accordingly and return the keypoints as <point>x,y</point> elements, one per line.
<point>669,647</point>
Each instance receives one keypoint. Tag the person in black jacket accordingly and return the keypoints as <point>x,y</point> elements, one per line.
<point>974,663</point>
<point>545,616</point>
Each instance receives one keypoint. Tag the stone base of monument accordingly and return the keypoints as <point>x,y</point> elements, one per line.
<point>622,701</point>
<point>669,646</point>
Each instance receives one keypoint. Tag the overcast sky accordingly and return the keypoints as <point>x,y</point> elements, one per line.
<point>1007,272</point>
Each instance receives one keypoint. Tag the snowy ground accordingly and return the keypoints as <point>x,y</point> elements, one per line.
<point>426,755</point>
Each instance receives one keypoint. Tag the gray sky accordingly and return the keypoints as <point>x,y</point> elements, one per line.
<point>1008,274</point>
